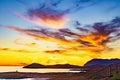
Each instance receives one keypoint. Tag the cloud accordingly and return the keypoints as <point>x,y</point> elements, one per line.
<point>25,44</point>
<point>45,34</point>
<point>95,41</point>
<point>48,13</point>
<point>15,50</point>
<point>47,17</point>
<point>81,4</point>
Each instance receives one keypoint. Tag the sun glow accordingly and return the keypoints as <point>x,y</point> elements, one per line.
<point>56,33</point>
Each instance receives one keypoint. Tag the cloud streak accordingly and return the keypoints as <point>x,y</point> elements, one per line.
<point>95,41</point>
<point>33,44</point>
<point>15,50</point>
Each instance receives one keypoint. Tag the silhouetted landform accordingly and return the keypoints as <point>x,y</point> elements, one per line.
<point>36,65</point>
<point>103,69</point>
<point>96,69</point>
<point>101,62</point>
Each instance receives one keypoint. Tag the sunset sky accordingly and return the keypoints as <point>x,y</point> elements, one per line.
<point>58,31</point>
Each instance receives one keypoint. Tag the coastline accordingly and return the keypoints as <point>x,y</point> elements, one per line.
<point>48,76</point>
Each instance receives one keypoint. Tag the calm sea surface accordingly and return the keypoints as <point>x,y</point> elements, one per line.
<point>43,70</point>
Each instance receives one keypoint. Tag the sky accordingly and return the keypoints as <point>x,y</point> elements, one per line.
<point>58,31</point>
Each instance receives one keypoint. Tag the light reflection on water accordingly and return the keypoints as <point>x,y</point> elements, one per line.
<point>43,70</point>
<point>28,79</point>
<point>20,69</point>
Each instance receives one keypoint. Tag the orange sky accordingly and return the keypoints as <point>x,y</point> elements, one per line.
<point>26,55</point>
<point>50,35</point>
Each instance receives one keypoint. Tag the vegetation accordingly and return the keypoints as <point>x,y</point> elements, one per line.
<point>115,77</point>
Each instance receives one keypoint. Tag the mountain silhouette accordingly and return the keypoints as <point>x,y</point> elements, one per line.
<point>36,65</point>
<point>102,62</point>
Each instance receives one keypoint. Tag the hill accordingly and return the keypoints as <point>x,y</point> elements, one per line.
<point>102,62</point>
<point>36,65</point>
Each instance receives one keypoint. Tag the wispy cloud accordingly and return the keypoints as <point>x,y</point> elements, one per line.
<point>33,44</point>
<point>94,39</point>
<point>16,50</point>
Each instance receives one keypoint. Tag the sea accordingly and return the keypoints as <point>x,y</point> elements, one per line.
<point>37,70</point>
<point>43,70</point>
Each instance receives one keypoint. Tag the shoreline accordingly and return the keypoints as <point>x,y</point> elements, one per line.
<point>50,76</point>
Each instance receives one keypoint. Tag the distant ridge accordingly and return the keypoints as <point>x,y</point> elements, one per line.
<point>102,62</point>
<point>36,65</point>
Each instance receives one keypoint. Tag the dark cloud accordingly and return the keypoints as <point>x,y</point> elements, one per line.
<point>55,3</point>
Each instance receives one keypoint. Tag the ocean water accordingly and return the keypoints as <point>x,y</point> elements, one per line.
<point>10,68</point>
<point>43,70</point>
